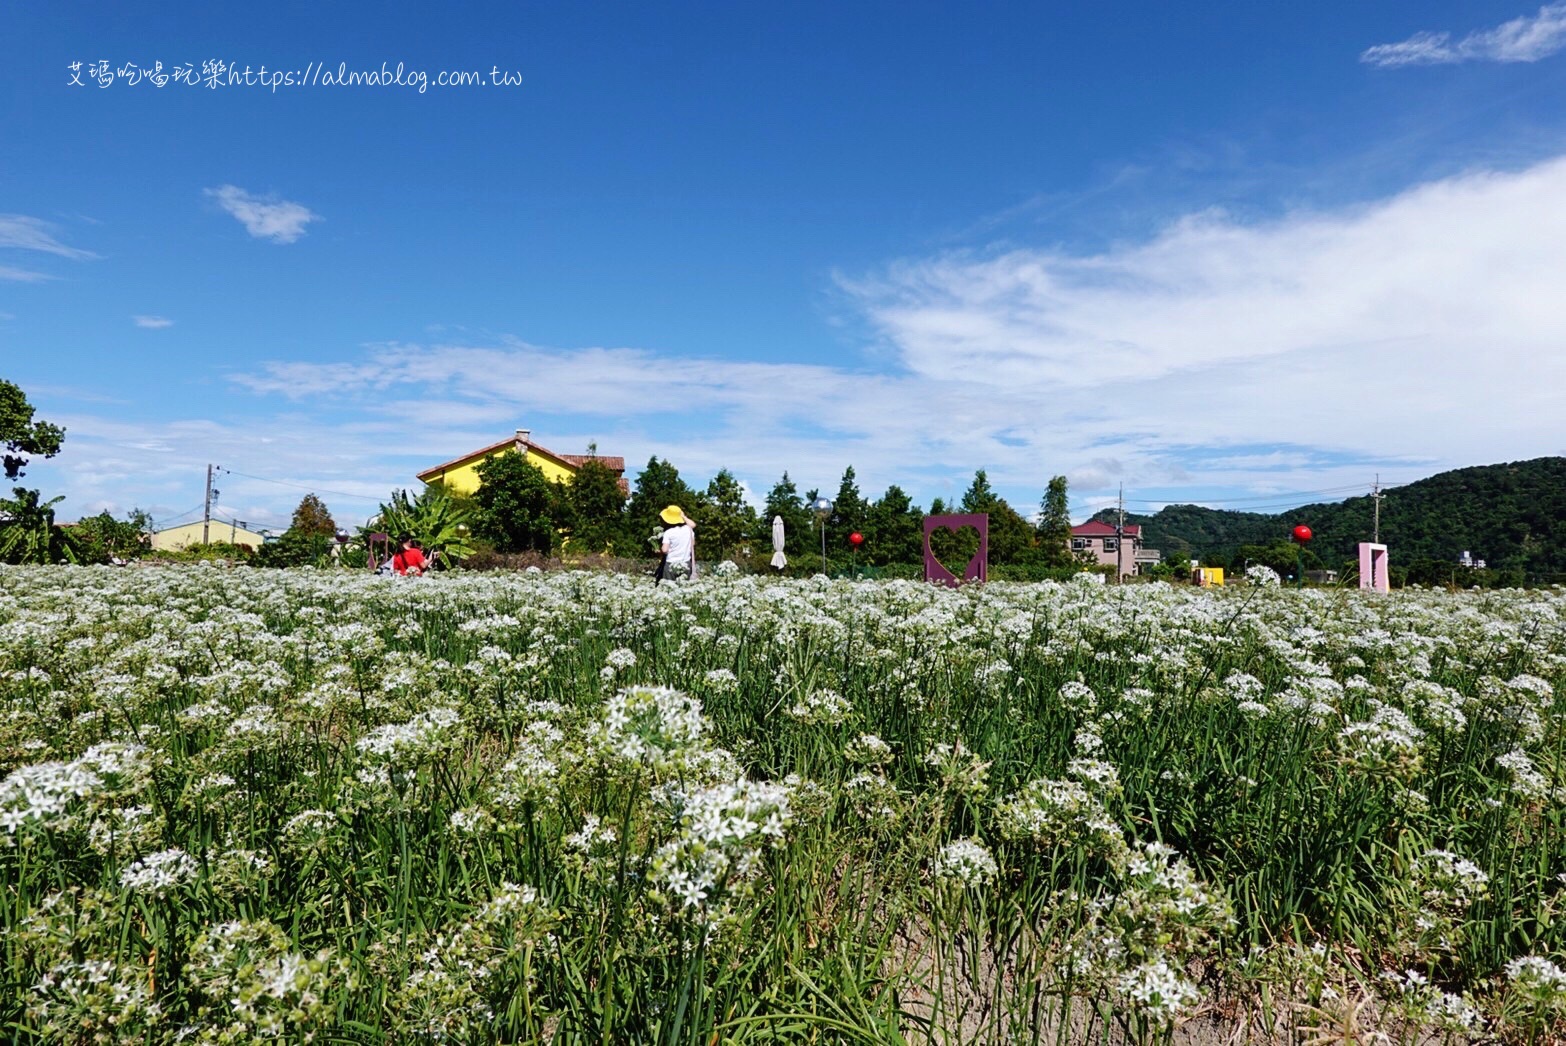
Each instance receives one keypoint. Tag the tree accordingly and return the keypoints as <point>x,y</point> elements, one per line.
<point>28,533</point>
<point>725,519</point>
<point>311,517</point>
<point>894,532</point>
<point>517,505</point>
<point>850,513</point>
<point>437,519</point>
<point>21,434</point>
<point>784,500</point>
<point>102,538</point>
<point>597,508</point>
<point>295,548</point>
<point>1011,538</point>
<point>1053,531</point>
<point>658,486</point>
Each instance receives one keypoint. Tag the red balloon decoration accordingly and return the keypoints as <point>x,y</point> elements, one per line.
<point>856,539</point>
<point>1302,533</point>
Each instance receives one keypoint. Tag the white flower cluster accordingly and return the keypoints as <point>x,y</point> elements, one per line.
<point>1389,739</point>
<point>1157,991</point>
<point>1263,575</point>
<point>722,831</point>
<point>1449,881</point>
<point>1102,777</point>
<point>594,836</point>
<point>873,797</point>
<point>1058,813</point>
<point>160,873</point>
<point>260,988</point>
<point>966,862</point>
<point>867,750</point>
<point>821,707</point>
<point>721,681</point>
<point>1422,1003</point>
<point>425,735</point>
<point>653,725</point>
<point>1538,980</point>
<point>1526,780</point>
<point>960,769</point>
<point>43,792</point>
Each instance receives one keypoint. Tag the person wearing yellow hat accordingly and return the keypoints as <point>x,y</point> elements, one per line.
<point>678,546</point>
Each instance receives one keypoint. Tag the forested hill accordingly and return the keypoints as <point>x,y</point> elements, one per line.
<point>1512,515</point>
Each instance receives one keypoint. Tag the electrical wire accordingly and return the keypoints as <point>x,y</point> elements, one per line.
<point>1286,500</point>
<point>296,486</point>
<point>164,524</point>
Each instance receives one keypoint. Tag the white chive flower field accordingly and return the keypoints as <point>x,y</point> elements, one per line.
<point>246,806</point>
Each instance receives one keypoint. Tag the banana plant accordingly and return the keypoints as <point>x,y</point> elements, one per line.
<point>28,533</point>
<point>435,518</point>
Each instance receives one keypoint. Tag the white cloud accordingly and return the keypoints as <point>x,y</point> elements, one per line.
<point>152,323</point>
<point>1409,335</point>
<point>16,275</point>
<point>33,234</point>
<point>1524,39</point>
<point>265,218</point>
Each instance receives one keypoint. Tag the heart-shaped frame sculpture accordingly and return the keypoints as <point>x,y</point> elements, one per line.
<point>977,568</point>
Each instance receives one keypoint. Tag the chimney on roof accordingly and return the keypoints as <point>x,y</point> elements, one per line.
<point>523,434</point>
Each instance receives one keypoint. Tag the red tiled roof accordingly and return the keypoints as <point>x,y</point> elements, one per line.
<point>1094,529</point>
<point>576,461</point>
<point>612,464</point>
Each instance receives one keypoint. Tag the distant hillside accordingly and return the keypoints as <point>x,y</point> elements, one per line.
<point>1513,516</point>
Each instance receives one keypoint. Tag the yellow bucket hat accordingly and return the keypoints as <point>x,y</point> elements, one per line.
<point>672,515</point>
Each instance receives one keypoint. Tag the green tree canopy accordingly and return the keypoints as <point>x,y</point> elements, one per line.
<point>103,538</point>
<point>725,520</point>
<point>1053,530</point>
<point>895,530</point>
<point>21,435</point>
<point>784,500</point>
<point>850,513</point>
<point>658,485</point>
<point>597,508</point>
<point>517,505</point>
<point>1011,538</point>
<point>312,518</point>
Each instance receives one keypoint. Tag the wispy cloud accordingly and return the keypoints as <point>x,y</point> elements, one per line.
<point>1411,334</point>
<point>152,323</point>
<point>264,217</point>
<point>34,234</point>
<point>10,272</point>
<point>1524,39</point>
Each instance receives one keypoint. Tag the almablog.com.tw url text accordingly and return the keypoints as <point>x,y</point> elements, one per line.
<point>215,73</point>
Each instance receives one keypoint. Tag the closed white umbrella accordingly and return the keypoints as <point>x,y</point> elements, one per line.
<point>779,560</point>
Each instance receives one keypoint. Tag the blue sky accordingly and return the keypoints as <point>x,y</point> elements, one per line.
<point>1227,253</point>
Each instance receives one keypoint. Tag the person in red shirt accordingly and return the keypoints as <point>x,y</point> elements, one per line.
<point>410,558</point>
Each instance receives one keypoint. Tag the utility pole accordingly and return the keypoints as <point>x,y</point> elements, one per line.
<point>206,511</point>
<point>1376,495</point>
<point>1120,539</point>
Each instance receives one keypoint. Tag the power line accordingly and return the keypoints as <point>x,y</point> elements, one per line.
<point>163,524</point>
<point>1280,498</point>
<point>296,486</point>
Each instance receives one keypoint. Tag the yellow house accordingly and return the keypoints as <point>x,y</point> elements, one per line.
<point>460,475</point>
<point>218,532</point>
